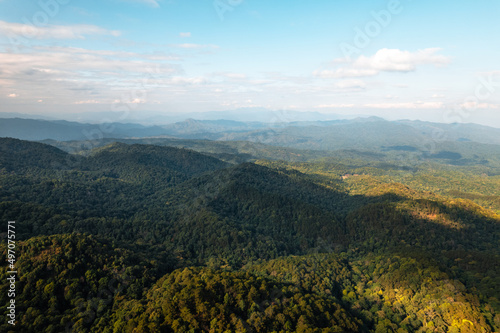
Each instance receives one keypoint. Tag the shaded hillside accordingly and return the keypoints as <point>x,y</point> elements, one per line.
<point>139,161</point>
<point>18,155</point>
<point>114,182</point>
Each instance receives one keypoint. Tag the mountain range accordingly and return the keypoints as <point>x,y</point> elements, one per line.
<point>368,133</point>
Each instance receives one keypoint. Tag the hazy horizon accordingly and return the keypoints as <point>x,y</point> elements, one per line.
<point>241,115</point>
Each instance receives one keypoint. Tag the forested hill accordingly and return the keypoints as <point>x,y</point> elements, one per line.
<point>129,158</point>
<point>17,155</point>
<point>148,239</point>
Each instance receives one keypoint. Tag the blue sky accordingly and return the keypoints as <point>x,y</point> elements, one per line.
<point>398,59</point>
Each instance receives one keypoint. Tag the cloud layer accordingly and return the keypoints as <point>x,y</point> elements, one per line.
<point>384,60</point>
<point>394,60</point>
<point>78,31</point>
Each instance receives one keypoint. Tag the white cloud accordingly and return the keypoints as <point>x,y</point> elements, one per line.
<point>475,105</point>
<point>78,31</point>
<point>345,72</point>
<point>406,105</point>
<point>185,34</point>
<point>111,54</point>
<point>77,76</point>
<point>186,80</point>
<point>133,101</point>
<point>394,60</point>
<point>68,61</point>
<point>384,60</point>
<point>12,95</point>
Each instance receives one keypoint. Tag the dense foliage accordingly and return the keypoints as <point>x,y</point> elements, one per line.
<point>143,238</point>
